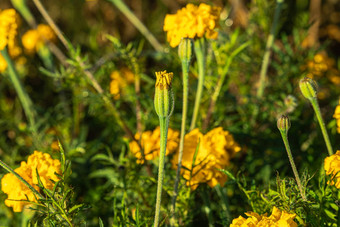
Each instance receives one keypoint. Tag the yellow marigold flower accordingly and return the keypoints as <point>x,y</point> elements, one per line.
<point>191,22</point>
<point>322,65</point>
<point>214,152</point>
<point>16,190</point>
<point>8,27</point>
<point>277,219</point>
<point>332,167</point>
<point>150,143</point>
<point>337,116</point>
<point>3,64</point>
<point>33,39</point>
<point>163,79</point>
<point>46,32</point>
<point>119,80</point>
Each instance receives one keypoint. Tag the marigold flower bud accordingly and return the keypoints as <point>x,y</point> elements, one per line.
<point>283,123</point>
<point>185,50</point>
<point>308,87</point>
<point>163,94</point>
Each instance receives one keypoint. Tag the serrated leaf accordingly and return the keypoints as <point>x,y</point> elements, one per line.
<point>75,207</point>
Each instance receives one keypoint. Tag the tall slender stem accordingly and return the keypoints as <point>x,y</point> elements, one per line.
<point>317,111</point>
<point>266,56</point>
<point>163,122</point>
<point>200,51</point>
<point>207,207</point>
<point>185,70</point>
<point>24,11</point>
<point>22,94</point>
<point>225,204</point>
<point>137,23</point>
<point>88,74</point>
<point>50,21</point>
<point>138,105</point>
<point>291,160</point>
<point>223,69</point>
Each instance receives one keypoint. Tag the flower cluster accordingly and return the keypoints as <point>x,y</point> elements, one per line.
<point>337,116</point>
<point>277,219</point>
<point>34,39</point>
<point>322,65</point>
<point>192,22</point>
<point>332,167</point>
<point>213,152</point>
<point>16,190</point>
<point>8,31</point>
<point>119,80</point>
<point>150,143</point>
<point>8,27</point>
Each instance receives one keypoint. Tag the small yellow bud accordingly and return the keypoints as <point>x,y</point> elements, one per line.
<point>163,100</point>
<point>308,87</point>
<point>283,123</point>
<point>163,80</point>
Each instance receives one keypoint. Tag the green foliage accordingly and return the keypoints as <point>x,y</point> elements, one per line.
<point>103,184</point>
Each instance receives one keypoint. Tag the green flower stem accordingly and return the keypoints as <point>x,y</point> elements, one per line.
<point>46,56</point>
<point>35,192</point>
<point>51,23</point>
<point>111,107</point>
<point>185,70</point>
<point>20,5</point>
<point>225,204</point>
<point>317,111</point>
<point>269,44</point>
<point>200,51</point>
<point>222,71</point>
<point>22,94</point>
<point>291,160</point>
<point>207,207</point>
<point>137,23</point>
<point>163,122</point>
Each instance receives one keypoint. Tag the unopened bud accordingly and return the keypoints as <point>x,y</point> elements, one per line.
<point>185,50</point>
<point>308,87</point>
<point>163,100</point>
<point>283,123</point>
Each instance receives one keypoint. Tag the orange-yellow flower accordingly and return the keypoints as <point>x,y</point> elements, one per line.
<point>150,143</point>
<point>332,167</point>
<point>277,219</point>
<point>34,39</point>
<point>8,31</point>
<point>337,116</point>
<point>3,64</point>
<point>191,22</point>
<point>119,80</point>
<point>16,190</point>
<point>8,27</point>
<point>214,151</point>
<point>322,65</point>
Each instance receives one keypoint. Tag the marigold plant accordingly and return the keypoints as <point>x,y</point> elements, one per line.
<point>16,190</point>
<point>337,116</point>
<point>278,218</point>
<point>33,39</point>
<point>192,22</point>
<point>151,144</point>
<point>214,151</point>
<point>119,80</point>
<point>8,27</point>
<point>322,65</point>
<point>332,167</point>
